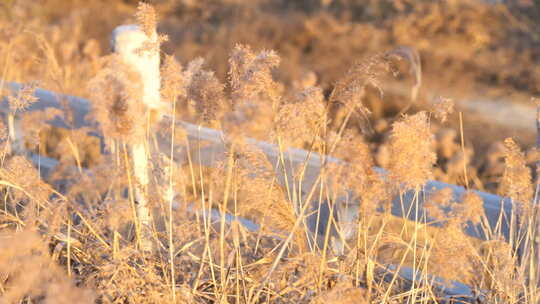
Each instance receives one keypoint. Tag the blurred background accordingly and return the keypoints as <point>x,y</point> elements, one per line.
<point>484,55</point>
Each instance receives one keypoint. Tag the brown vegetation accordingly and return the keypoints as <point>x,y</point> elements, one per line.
<point>75,235</point>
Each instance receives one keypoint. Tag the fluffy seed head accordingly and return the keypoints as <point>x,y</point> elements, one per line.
<point>472,207</point>
<point>173,82</point>
<point>301,119</point>
<point>146,17</point>
<point>204,91</point>
<point>442,107</point>
<point>23,98</point>
<point>116,94</point>
<point>439,203</point>
<point>251,75</point>
<point>412,155</point>
<point>254,94</point>
<point>351,89</point>
<point>516,182</point>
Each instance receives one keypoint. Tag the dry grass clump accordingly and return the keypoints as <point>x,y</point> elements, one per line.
<point>342,293</point>
<point>25,184</point>
<point>129,278</point>
<point>497,261</point>
<point>358,175</point>
<point>84,227</point>
<point>30,274</point>
<point>264,200</point>
<point>452,254</point>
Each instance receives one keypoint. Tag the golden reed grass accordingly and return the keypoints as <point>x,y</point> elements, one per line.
<point>73,237</point>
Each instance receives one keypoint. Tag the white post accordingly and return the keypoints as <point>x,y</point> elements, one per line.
<point>141,52</point>
<point>15,134</point>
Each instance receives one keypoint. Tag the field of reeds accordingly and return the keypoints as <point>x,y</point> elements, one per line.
<point>314,151</point>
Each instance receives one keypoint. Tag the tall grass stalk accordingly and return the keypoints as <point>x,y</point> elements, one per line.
<point>170,196</point>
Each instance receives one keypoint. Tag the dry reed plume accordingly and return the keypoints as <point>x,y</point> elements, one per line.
<point>148,222</point>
